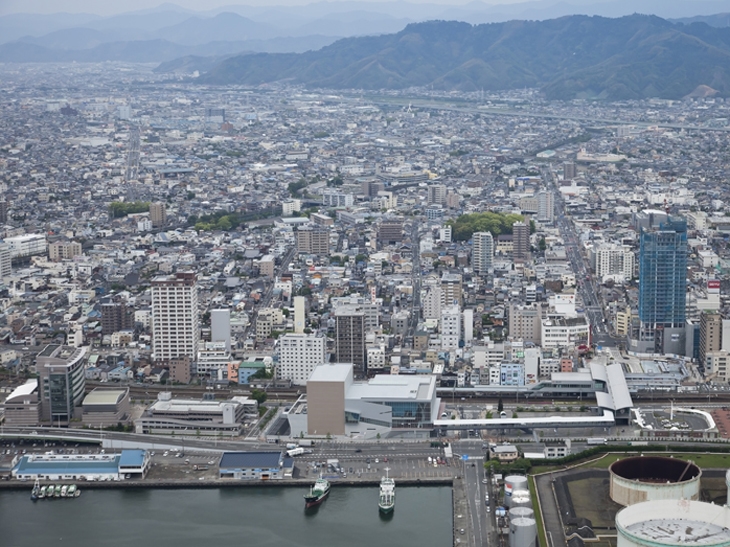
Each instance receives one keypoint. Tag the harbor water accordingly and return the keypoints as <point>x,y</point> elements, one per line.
<point>263,517</point>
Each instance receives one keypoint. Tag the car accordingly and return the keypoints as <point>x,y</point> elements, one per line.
<point>485,481</point>
<point>377,460</point>
<point>358,450</point>
<point>488,508</point>
<point>367,460</point>
<point>385,460</point>
<point>211,462</point>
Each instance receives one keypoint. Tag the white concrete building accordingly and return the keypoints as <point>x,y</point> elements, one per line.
<point>299,355</point>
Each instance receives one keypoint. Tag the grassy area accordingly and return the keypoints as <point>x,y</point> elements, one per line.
<point>542,536</point>
<point>703,460</point>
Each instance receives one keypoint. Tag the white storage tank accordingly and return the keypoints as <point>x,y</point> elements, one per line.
<point>521,512</point>
<point>523,532</point>
<point>513,483</point>
<point>673,523</point>
<point>646,478</point>
<point>520,498</point>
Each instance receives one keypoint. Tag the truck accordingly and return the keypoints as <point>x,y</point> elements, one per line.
<point>596,440</point>
<point>306,442</point>
<point>289,446</point>
<point>295,452</point>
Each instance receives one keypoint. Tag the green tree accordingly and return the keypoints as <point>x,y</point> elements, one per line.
<point>259,395</point>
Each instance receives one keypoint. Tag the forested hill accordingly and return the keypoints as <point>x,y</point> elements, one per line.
<point>571,57</point>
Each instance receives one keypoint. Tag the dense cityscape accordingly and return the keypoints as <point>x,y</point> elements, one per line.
<point>276,283</point>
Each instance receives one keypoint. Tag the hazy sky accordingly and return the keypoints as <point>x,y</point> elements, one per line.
<point>109,7</point>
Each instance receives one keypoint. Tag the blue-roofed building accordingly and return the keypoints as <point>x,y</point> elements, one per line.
<point>90,467</point>
<point>255,465</point>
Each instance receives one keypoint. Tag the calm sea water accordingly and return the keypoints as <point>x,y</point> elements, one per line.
<point>266,517</point>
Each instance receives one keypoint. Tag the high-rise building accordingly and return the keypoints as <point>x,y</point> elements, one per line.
<point>525,323</point>
<point>437,194</point>
<point>115,317</point>
<point>450,327</point>
<point>350,337</point>
<point>62,381</point>
<point>545,206</point>
<point>482,254</point>
<point>220,327</point>
<point>520,241</point>
<point>431,302</point>
<point>569,170</point>
<point>299,314</point>
<point>313,240</point>
<point>158,214</point>
<point>175,316</point>
<point>616,261</point>
<point>4,211</point>
<point>663,287</point>
<point>6,267</point>
<point>451,289</point>
<point>299,354</point>
<point>711,327</point>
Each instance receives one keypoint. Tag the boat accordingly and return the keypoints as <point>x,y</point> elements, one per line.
<point>42,492</point>
<point>317,492</point>
<point>57,491</point>
<point>64,490</point>
<point>386,500</point>
<point>73,492</point>
<point>36,492</point>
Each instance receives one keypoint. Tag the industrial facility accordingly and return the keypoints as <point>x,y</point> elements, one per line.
<point>647,478</point>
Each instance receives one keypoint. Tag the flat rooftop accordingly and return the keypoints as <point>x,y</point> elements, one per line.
<point>680,532</point>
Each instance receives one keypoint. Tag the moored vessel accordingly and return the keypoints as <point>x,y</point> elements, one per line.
<point>317,493</point>
<point>386,500</point>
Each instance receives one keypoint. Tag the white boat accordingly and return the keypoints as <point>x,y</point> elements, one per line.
<point>64,490</point>
<point>386,500</point>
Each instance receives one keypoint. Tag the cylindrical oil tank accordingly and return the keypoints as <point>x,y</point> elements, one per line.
<point>521,512</point>
<point>512,483</point>
<point>523,532</point>
<point>673,523</point>
<point>646,478</point>
<point>520,498</point>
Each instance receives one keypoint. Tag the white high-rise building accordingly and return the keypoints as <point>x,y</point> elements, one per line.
<point>482,252</point>
<point>175,316</point>
<point>299,354</point>
<point>616,261</point>
<point>468,326</point>
<point>545,206</point>
<point>5,260</point>
<point>450,327</point>
<point>431,302</point>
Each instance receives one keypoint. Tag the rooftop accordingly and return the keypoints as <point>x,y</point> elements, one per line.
<point>240,460</point>
<point>101,396</point>
<point>331,372</point>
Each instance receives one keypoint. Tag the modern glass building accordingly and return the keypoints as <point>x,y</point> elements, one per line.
<point>62,381</point>
<point>663,287</point>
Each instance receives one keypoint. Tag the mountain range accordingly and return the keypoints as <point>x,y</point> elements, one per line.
<point>169,31</point>
<point>630,57</point>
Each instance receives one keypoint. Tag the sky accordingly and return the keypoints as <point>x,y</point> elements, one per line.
<point>111,7</point>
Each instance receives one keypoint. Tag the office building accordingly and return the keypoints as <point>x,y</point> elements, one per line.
<point>350,337</point>
<point>569,170</point>
<point>313,240</point>
<point>520,241</point>
<point>158,214</point>
<point>62,381</point>
<point>4,205</point>
<point>525,323</point>
<point>482,253</point>
<point>662,287</point>
<point>27,245</point>
<point>64,250</point>
<point>22,407</point>
<point>299,354</point>
<point>450,327</point>
<point>390,232</point>
<point>175,316</point>
<point>220,327</point>
<point>333,198</point>
<point>545,206</point>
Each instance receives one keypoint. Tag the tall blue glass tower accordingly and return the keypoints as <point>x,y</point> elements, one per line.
<point>663,287</point>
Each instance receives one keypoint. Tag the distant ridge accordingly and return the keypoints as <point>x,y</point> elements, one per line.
<point>571,57</point>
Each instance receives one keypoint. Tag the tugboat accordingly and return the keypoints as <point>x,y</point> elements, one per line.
<point>35,494</point>
<point>317,493</point>
<point>386,500</point>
